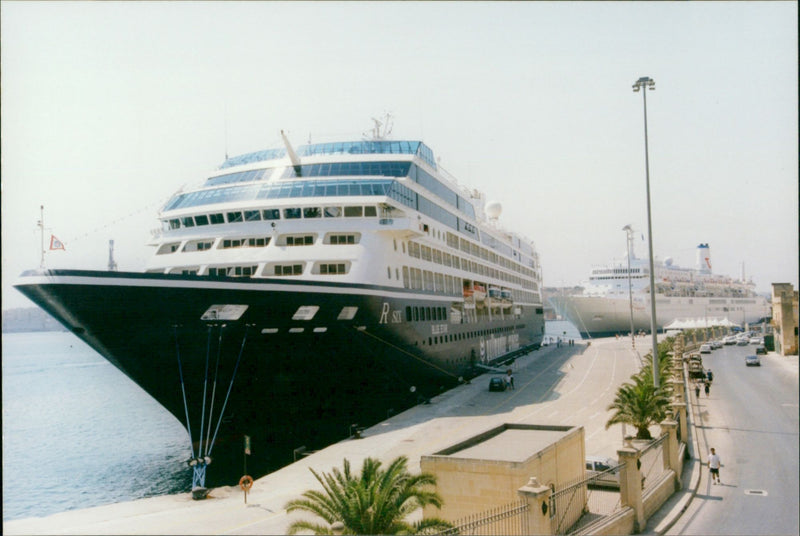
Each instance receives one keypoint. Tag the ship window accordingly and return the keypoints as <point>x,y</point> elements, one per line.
<point>370,211</point>
<point>337,239</point>
<point>312,212</point>
<point>291,213</point>
<point>243,271</point>
<point>231,244</point>
<point>332,268</point>
<point>333,212</point>
<point>408,313</point>
<point>188,221</point>
<point>416,314</point>
<point>353,212</point>
<point>216,218</point>
<point>406,280</point>
<point>271,214</point>
<point>303,240</point>
<point>198,245</point>
<point>258,242</point>
<point>174,224</point>
<point>288,269</point>
<point>201,220</point>
<point>305,312</point>
<point>347,313</point>
<point>252,215</point>
<point>234,217</point>
<point>168,248</point>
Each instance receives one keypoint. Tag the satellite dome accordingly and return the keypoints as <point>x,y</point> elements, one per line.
<point>493,209</point>
<point>668,261</point>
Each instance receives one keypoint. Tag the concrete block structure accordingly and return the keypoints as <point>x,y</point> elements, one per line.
<point>785,318</point>
<point>488,469</point>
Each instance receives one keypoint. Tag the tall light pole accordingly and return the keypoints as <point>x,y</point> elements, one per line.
<point>646,82</point>
<point>629,232</point>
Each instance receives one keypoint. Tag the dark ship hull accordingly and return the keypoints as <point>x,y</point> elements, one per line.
<point>288,363</point>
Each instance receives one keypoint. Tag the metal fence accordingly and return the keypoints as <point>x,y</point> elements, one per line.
<point>511,519</point>
<point>652,461</point>
<point>584,502</point>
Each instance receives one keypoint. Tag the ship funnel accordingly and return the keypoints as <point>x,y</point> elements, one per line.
<point>703,259</point>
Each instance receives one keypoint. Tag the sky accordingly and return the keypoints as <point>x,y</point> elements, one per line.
<point>110,108</point>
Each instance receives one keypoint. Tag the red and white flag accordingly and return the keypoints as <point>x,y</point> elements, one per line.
<point>55,243</point>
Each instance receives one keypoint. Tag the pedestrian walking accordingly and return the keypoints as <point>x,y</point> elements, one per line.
<point>708,387</point>
<point>714,464</point>
<point>510,379</point>
<point>697,390</point>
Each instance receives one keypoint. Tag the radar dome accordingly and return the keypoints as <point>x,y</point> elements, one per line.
<point>668,261</point>
<point>493,209</point>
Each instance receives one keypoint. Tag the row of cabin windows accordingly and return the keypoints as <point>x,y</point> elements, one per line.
<point>270,214</point>
<point>451,337</point>
<point>288,269</point>
<point>417,314</point>
<point>417,279</point>
<point>429,254</point>
<point>253,242</point>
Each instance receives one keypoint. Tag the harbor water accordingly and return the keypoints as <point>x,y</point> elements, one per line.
<point>78,433</point>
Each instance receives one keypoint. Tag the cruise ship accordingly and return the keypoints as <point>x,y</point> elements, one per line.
<point>297,295</point>
<point>603,307</point>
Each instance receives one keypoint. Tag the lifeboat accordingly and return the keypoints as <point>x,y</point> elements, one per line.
<point>479,292</point>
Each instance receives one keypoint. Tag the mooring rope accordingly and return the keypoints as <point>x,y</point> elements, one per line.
<point>183,389</point>
<point>230,387</point>
<point>214,390</point>
<point>205,389</point>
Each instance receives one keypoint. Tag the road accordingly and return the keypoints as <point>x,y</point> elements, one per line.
<point>751,418</point>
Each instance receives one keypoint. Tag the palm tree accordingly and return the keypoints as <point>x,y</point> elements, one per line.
<point>375,502</point>
<point>639,404</point>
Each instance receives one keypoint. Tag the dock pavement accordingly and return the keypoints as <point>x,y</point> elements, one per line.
<point>556,385</point>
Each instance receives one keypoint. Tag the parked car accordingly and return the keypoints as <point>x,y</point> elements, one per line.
<point>606,470</point>
<point>729,340</point>
<point>705,348</point>
<point>497,384</point>
<point>756,340</point>
<point>752,360</point>
<point>742,342</point>
<point>760,350</point>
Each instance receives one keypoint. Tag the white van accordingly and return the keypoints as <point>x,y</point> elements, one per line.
<point>705,348</point>
<point>606,468</point>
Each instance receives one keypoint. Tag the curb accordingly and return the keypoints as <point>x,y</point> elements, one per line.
<point>697,472</point>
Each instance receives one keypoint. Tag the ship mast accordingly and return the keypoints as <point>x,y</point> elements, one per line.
<point>41,234</point>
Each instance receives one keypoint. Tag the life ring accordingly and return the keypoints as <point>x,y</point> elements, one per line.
<point>246,482</point>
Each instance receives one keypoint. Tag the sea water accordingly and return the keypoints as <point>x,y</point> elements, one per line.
<point>78,433</point>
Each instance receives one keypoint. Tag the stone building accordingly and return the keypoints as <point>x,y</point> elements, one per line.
<point>785,318</point>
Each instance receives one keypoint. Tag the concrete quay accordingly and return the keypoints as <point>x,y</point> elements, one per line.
<point>566,385</point>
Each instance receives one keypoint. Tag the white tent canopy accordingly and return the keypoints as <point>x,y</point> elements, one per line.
<point>695,323</point>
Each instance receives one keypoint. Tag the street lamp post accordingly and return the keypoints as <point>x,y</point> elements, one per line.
<point>629,232</point>
<point>646,82</point>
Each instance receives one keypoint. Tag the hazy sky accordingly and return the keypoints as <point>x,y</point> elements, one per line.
<point>109,108</point>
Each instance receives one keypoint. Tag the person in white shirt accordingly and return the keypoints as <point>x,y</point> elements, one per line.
<point>713,465</point>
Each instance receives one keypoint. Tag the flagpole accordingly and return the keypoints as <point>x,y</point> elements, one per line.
<point>41,225</point>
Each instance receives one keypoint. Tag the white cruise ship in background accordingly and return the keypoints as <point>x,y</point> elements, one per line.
<point>603,307</point>
<point>297,294</point>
